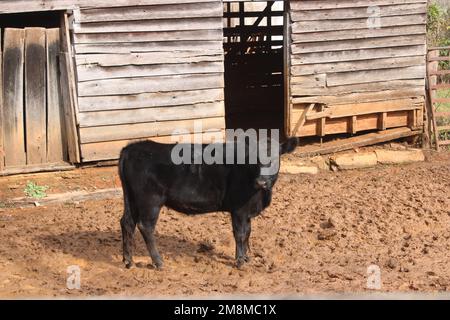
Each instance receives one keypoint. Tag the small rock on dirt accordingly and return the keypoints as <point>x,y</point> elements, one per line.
<point>328,224</point>
<point>77,204</point>
<point>332,275</point>
<point>326,234</point>
<point>68,176</point>
<point>392,263</point>
<point>404,269</point>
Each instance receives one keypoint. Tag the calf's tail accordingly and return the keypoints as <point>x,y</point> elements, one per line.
<point>125,184</point>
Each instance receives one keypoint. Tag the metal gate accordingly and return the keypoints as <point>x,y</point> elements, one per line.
<point>439,94</point>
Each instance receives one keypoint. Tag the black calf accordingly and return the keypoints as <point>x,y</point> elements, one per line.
<point>150,180</point>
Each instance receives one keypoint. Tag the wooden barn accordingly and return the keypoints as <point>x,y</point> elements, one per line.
<point>81,79</point>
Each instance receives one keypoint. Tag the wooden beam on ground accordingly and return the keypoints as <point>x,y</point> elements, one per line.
<point>77,196</point>
<point>9,171</point>
<point>356,142</point>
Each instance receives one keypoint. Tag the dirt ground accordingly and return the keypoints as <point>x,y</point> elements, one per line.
<point>319,236</point>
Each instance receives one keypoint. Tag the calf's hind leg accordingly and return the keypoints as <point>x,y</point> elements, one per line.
<point>147,225</point>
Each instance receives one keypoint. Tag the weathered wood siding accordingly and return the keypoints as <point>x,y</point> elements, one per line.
<point>144,71</point>
<point>144,68</point>
<point>147,67</point>
<point>13,6</point>
<point>362,62</point>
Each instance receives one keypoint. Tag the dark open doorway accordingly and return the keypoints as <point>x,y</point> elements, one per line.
<point>45,19</point>
<point>254,65</point>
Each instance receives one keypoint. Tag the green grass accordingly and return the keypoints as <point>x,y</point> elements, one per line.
<point>35,191</point>
<point>443,107</point>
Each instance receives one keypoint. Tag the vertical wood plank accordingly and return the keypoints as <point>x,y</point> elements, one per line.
<point>286,69</point>
<point>228,4</point>
<point>412,119</point>
<point>420,117</point>
<point>382,121</point>
<point>13,104</point>
<point>69,94</point>
<point>56,151</point>
<point>321,124</point>
<point>2,153</point>
<point>353,125</point>
<point>35,95</point>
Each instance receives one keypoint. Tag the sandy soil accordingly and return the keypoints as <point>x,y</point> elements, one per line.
<point>320,235</point>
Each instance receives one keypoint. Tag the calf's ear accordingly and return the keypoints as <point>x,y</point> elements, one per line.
<point>289,145</point>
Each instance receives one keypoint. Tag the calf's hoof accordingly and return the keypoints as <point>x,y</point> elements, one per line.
<point>240,263</point>
<point>158,264</point>
<point>129,264</point>
<point>148,266</point>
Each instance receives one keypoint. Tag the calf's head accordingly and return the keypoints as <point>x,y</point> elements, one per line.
<point>268,170</point>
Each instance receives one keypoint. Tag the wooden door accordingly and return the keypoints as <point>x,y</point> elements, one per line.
<point>32,131</point>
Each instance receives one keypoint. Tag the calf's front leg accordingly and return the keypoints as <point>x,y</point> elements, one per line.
<point>241,231</point>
